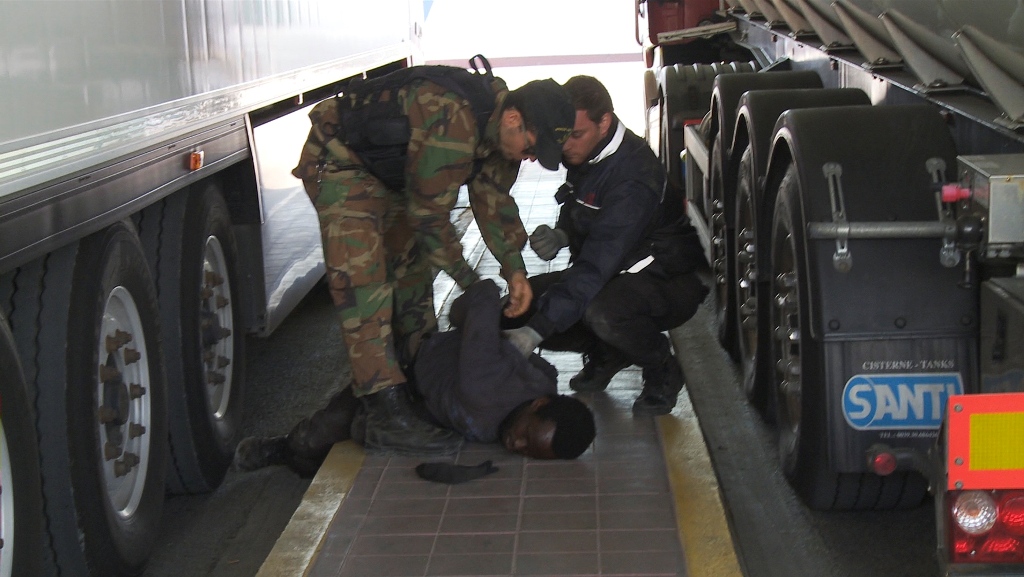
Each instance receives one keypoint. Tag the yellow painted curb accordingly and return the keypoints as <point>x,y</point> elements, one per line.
<point>703,529</point>
<point>299,543</point>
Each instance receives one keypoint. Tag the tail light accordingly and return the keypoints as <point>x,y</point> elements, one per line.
<point>984,465</point>
<point>986,526</point>
<point>883,463</point>
<point>1011,513</point>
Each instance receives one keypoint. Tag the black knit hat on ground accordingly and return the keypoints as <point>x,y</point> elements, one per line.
<point>547,108</point>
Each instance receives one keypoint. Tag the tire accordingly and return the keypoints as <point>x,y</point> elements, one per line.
<point>651,109</point>
<point>753,331</point>
<point>21,503</point>
<point>717,209</point>
<point>670,146</point>
<point>197,279</point>
<point>652,127</point>
<point>799,383</point>
<point>86,321</point>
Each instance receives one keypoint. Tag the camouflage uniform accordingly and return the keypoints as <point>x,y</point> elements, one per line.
<point>381,246</point>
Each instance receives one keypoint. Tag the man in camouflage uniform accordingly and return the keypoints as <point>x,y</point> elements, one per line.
<point>382,245</point>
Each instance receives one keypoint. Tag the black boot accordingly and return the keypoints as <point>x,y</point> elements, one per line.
<point>599,366</point>
<point>661,388</point>
<point>311,439</point>
<point>393,425</point>
<point>257,452</point>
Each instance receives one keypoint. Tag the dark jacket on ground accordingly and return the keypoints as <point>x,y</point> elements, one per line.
<point>471,378</point>
<point>614,211</point>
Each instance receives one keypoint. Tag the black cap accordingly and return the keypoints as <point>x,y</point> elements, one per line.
<point>547,107</point>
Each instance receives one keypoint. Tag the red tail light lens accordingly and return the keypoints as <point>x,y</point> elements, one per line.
<point>883,464</point>
<point>986,526</point>
<point>1011,513</point>
<point>1002,549</point>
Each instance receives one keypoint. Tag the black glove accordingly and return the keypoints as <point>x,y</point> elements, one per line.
<point>547,241</point>
<point>453,474</point>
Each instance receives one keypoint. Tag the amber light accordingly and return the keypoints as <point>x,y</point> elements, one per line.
<point>195,160</point>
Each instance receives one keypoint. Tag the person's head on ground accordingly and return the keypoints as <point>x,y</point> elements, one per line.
<point>594,115</point>
<point>536,120</point>
<point>549,427</point>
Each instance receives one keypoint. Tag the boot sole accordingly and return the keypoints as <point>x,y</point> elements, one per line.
<point>654,410</point>
<point>596,388</point>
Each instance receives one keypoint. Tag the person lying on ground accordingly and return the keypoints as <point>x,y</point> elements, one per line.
<point>470,380</point>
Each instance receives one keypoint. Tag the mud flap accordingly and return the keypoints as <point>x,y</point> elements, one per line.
<point>889,311</point>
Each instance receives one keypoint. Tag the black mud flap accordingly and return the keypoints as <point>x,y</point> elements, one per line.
<point>890,314</point>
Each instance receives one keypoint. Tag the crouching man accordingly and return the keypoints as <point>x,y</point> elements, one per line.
<point>633,257</point>
<point>470,380</point>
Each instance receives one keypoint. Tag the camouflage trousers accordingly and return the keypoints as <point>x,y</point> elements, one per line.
<point>381,285</point>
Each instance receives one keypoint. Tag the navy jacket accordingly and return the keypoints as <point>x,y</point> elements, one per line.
<point>614,211</point>
<point>471,377</point>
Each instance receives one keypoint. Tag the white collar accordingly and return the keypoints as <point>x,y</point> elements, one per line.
<point>613,145</point>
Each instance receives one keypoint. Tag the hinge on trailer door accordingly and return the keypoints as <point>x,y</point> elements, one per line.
<point>842,260</point>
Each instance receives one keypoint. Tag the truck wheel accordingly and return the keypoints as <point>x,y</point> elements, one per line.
<point>203,337</point>
<point>722,252</point>
<point>98,376</point>
<point>752,330</point>
<point>799,383</point>
<point>21,504</point>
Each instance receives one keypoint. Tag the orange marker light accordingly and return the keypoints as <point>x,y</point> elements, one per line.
<point>195,160</point>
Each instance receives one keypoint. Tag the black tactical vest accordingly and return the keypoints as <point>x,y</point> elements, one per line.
<point>378,132</point>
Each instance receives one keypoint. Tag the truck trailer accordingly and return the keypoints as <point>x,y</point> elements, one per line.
<point>856,171</point>
<point>148,224</point>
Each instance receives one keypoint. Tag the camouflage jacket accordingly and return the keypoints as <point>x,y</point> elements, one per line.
<point>440,157</point>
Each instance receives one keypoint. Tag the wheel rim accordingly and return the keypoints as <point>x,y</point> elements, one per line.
<point>746,275</point>
<point>716,217</point>
<point>216,328</point>
<point>7,520</point>
<point>718,251</point>
<point>124,414</point>
<point>786,321</point>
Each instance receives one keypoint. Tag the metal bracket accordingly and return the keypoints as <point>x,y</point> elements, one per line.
<point>949,254</point>
<point>842,230</point>
<point>842,260</point>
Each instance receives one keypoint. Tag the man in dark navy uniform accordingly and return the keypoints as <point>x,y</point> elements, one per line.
<point>633,256</point>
